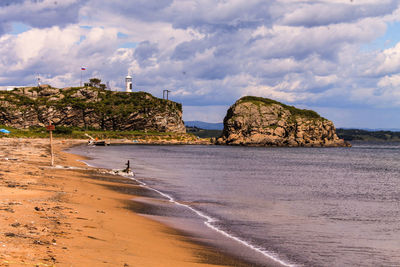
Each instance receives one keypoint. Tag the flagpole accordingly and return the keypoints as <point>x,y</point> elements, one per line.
<point>81,78</point>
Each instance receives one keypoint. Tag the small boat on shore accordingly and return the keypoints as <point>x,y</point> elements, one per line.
<point>94,142</point>
<point>98,143</point>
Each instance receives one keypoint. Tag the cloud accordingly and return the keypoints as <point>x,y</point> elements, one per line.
<point>41,13</point>
<point>57,54</point>
<point>146,54</point>
<point>306,53</point>
<point>322,13</point>
<point>388,61</point>
<point>391,81</point>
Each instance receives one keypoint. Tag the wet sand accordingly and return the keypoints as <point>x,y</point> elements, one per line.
<point>82,216</point>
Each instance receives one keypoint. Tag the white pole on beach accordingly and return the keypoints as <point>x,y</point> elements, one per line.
<point>51,148</point>
<point>51,128</point>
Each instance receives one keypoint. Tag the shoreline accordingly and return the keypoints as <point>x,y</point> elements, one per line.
<point>257,255</point>
<point>67,216</point>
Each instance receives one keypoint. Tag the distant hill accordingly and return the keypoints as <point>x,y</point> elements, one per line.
<point>368,135</point>
<point>202,133</point>
<point>205,125</point>
<point>375,129</point>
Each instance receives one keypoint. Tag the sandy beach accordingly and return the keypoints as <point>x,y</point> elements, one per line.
<point>68,215</point>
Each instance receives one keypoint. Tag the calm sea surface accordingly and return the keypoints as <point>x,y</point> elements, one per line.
<point>309,206</point>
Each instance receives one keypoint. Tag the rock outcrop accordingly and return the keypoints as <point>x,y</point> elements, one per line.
<point>256,121</point>
<point>89,107</point>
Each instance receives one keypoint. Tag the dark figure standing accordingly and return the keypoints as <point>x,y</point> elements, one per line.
<point>128,167</point>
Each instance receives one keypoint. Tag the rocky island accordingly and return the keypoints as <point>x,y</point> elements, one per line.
<point>257,121</point>
<point>90,107</point>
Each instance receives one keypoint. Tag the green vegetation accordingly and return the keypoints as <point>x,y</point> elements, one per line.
<point>107,101</point>
<point>203,133</point>
<point>110,109</point>
<point>79,133</point>
<point>363,135</point>
<point>95,82</point>
<point>293,110</point>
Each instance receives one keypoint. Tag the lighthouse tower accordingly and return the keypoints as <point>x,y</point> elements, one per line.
<point>128,84</point>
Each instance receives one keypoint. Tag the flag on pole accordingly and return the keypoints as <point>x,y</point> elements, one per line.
<point>82,68</point>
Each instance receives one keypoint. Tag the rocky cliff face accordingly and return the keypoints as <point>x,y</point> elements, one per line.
<point>89,108</point>
<point>264,122</point>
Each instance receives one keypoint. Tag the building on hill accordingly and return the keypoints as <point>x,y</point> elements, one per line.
<point>128,84</point>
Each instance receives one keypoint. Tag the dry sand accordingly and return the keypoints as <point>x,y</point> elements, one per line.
<point>71,217</point>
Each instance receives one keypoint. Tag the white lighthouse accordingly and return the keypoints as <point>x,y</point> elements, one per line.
<point>128,84</point>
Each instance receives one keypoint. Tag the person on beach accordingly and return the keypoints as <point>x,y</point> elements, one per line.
<point>127,169</point>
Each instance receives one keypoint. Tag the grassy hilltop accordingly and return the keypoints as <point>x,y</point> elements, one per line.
<point>89,107</point>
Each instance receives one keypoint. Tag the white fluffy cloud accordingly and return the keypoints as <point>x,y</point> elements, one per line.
<point>308,53</point>
<point>40,13</point>
<point>56,53</point>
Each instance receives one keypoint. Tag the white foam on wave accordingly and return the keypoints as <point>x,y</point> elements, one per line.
<point>209,223</point>
<point>208,220</point>
<point>67,167</point>
<point>86,163</point>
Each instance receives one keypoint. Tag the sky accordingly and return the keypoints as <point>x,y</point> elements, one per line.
<point>338,57</point>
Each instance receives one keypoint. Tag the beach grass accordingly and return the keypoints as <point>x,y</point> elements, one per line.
<point>81,133</point>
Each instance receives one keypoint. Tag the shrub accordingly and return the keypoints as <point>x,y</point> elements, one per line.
<point>63,130</point>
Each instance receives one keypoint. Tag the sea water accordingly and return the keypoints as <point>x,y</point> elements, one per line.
<point>300,206</point>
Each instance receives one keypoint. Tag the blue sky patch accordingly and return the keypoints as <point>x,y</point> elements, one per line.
<point>122,35</point>
<point>18,27</point>
<point>388,40</point>
<point>128,45</point>
<point>81,39</point>
<point>86,27</point>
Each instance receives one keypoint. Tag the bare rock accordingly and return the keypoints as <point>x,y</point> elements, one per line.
<point>256,121</point>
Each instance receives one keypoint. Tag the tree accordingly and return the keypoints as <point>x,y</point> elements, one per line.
<point>95,82</point>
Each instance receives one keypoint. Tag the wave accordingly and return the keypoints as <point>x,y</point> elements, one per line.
<point>208,220</point>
